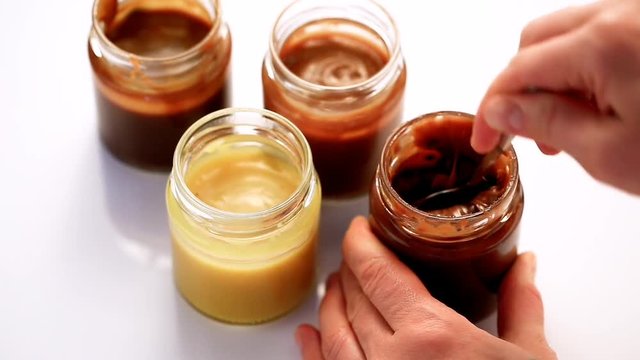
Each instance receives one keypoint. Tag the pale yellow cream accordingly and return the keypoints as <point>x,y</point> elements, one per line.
<point>242,279</point>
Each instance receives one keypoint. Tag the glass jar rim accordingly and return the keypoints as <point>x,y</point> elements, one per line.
<point>370,82</point>
<point>125,56</point>
<point>385,178</point>
<point>211,213</point>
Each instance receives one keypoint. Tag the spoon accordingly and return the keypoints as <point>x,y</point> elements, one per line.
<point>441,197</point>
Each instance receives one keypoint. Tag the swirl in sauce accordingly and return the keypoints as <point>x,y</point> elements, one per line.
<point>333,59</point>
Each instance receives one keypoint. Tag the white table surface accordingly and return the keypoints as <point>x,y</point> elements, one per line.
<point>85,262</point>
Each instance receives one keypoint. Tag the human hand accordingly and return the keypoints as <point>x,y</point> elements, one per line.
<point>376,308</point>
<point>573,86</point>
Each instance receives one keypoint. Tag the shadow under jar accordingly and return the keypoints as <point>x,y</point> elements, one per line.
<point>158,65</point>
<point>244,204</point>
<point>462,248</point>
<point>335,69</point>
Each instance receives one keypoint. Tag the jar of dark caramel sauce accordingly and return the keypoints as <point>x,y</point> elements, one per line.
<point>461,247</point>
<point>335,69</point>
<point>158,67</point>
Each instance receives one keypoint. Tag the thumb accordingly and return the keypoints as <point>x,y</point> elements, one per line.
<point>520,310</point>
<point>308,339</point>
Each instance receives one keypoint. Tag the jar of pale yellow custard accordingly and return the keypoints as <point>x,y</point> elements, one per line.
<point>243,202</point>
<point>335,68</point>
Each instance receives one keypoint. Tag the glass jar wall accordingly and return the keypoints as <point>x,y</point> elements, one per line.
<point>335,69</point>
<point>244,205</point>
<point>460,248</point>
<point>158,65</point>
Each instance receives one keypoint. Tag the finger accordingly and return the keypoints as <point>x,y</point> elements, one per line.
<point>483,137</point>
<point>557,23</point>
<point>557,121</point>
<point>546,149</point>
<point>308,339</point>
<point>555,65</point>
<point>520,310</point>
<point>369,326</point>
<point>561,64</point>
<point>391,287</point>
<point>338,339</point>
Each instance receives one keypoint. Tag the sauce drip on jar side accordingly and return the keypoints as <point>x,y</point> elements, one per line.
<point>443,159</point>
<point>158,33</point>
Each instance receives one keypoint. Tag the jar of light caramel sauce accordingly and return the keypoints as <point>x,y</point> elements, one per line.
<point>335,69</point>
<point>244,204</point>
<point>158,65</point>
<point>460,247</point>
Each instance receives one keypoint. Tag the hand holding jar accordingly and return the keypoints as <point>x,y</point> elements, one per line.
<point>573,86</point>
<point>376,308</point>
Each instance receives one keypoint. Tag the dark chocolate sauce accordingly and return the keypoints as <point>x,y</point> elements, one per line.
<point>149,141</point>
<point>443,159</point>
<point>461,261</point>
<point>142,122</point>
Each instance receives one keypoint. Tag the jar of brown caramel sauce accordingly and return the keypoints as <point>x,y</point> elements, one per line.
<point>158,67</point>
<point>335,69</point>
<point>461,247</point>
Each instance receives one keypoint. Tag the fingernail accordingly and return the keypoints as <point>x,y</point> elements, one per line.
<point>504,115</point>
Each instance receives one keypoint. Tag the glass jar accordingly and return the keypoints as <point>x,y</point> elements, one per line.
<point>158,65</point>
<point>334,68</point>
<point>244,203</point>
<point>460,250</point>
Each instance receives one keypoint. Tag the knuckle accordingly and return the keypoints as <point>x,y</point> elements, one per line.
<point>437,336</point>
<point>610,35</point>
<point>334,346</point>
<point>373,274</point>
<point>529,33</point>
<point>610,21</point>
<point>541,115</point>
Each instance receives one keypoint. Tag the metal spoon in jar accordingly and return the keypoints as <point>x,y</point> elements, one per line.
<point>441,197</point>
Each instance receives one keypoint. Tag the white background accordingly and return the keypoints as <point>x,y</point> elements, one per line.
<point>85,264</point>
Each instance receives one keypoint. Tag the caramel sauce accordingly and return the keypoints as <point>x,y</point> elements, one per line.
<point>333,60</point>
<point>346,129</point>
